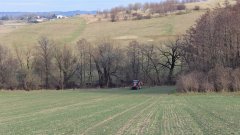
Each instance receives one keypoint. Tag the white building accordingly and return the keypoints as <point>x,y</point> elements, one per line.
<point>61,17</point>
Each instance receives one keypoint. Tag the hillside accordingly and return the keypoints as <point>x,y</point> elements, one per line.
<point>70,30</point>
<point>143,30</point>
<point>208,4</point>
<point>63,31</point>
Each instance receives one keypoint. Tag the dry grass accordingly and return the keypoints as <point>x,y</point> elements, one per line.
<point>144,30</point>
<point>63,31</point>
<point>9,26</point>
<point>70,30</point>
<point>208,4</point>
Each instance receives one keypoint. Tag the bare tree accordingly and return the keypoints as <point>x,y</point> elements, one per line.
<point>43,59</point>
<point>107,57</point>
<point>152,54</point>
<point>170,57</point>
<point>26,77</point>
<point>67,65</point>
<point>85,57</point>
<point>212,48</point>
<point>133,54</point>
<point>8,69</point>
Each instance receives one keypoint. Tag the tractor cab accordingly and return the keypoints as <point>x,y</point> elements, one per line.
<point>136,85</point>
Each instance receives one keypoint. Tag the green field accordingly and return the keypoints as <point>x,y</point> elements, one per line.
<point>118,111</point>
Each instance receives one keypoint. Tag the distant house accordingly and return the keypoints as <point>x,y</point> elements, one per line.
<point>61,17</point>
<point>41,20</point>
<point>37,20</point>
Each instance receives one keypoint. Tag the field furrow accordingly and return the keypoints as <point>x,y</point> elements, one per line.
<point>151,111</point>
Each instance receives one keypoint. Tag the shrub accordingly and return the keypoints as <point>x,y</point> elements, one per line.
<point>113,18</point>
<point>196,8</point>
<point>189,82</point>
<point>147,17</point>
<point>221,78</point>
<point>218,79</point>
<point>206,86</point>
<point>181,7</point>
<point>181,13</point>
<point>125,18</point>
<point>139,17</point>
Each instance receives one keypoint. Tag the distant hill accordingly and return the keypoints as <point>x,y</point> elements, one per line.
<point>66,13</point>
<point>68,31</point>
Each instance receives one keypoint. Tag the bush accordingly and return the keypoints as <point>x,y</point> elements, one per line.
<point>139,17</point>
<point>189,82</point>
<point>181,13</point>
<point>206,86</point>
<point>221,78</point>
<point>196,8</point>
<point>218,79</point>
<point>147,17</point>
<point>125,18</point>
<point>113,18</point>
<point>181,7</point>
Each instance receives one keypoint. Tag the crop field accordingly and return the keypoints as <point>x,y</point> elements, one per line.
<point>118,111</point>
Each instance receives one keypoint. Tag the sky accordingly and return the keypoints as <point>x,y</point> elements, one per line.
<point>62,5</point>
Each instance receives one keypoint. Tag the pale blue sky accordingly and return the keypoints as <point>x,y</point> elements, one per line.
<point>63,5</point>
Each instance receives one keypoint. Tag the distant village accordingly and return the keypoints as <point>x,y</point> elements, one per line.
<point>34,18</point>
<point>40,19</point>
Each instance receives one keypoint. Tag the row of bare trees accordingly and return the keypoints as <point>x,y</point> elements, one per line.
<point>211,52</point>
<point>146,10</point>
<point>102,64</point>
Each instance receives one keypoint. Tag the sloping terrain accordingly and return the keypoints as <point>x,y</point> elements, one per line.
<point>70,30</point>
<point>63,31</point>
<point>209,4</point>
<point>143,30</point>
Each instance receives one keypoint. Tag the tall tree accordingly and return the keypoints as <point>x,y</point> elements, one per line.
<point>67,64</point>
<point>107,57</point>
<point>43,59</point>
<point>170,57</point>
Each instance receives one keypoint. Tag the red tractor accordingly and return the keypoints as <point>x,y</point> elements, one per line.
<point>136,85</point>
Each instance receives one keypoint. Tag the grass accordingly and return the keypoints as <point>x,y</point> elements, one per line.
<point>156,29</point>
<point>118,111</point>
<point>63,31</point>
<point>68,31</point>
<point>208,4</point>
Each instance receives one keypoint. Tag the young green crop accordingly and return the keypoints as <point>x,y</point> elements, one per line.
<point>118,111</point>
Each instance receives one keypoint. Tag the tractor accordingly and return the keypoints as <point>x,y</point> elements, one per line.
<point>136,85</point>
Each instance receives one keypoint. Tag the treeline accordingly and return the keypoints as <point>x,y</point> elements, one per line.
<point>207,58</point>
<point>144,11</point>
<point>102,64</point>
<point>211,52</point>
